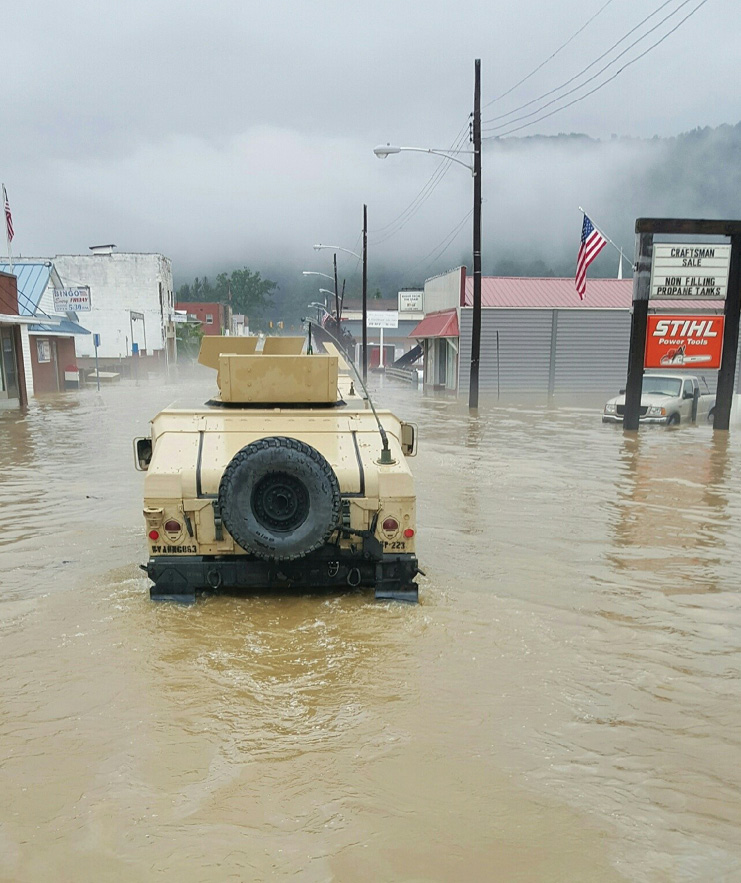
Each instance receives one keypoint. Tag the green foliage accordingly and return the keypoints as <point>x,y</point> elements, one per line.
<point>189,336</point>
<point>243,290</point>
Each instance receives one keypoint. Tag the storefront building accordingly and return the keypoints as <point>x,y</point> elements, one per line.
<point>13,334</point>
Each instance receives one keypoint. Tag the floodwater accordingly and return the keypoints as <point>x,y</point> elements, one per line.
<point>563,705</point>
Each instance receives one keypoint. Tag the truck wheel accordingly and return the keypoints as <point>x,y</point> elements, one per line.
<point>673,420</point>
<point>279,498</point>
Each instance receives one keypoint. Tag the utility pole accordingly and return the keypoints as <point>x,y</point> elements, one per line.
<point>336,292</point>
<point>365,293</point>
<point>473,392</point>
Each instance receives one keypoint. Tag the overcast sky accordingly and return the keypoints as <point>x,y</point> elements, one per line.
<point>230,133</point>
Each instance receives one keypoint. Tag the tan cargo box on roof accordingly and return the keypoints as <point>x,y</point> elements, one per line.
<point>213,347</point>
<point>278,379</point>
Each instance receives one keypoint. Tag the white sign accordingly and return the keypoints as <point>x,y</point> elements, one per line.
<point>383,319</point>
<point>411,301</point>
<point>684,272</point>
<point>72,300</point>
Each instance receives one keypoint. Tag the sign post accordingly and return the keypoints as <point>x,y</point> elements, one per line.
<point>692,272</point>
<point>383,319</point>
<point>96,344</point>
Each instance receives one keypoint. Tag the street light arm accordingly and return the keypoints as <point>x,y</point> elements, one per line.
<point>385,150</point>
<point>339,248</point>
<point>316,273</point>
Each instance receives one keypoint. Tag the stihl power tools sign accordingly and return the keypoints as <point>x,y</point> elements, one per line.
<point>684,341</point>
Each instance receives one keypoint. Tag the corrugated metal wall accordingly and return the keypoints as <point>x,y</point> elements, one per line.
<point>590,351</point>
<point>524,350</point>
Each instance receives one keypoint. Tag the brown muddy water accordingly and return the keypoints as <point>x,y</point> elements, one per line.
<point>563,704</point>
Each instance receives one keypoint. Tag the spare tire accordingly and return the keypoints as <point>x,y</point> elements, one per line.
<point>279,498</point>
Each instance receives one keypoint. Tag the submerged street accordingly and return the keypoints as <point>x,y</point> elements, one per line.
<point>562,705</point>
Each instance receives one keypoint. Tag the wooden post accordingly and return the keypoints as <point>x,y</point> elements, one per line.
<point>639,320</point>
<point>727,373</point>
<point>473,390</point>
<point>365,293</point>
<point>336,292</point>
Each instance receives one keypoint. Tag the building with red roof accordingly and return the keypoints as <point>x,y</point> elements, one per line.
<point>537,336</point>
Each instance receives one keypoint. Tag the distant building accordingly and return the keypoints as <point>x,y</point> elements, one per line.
<point>536,335</point>
<point>13,340</point>
<point>215,318</point>
<point>240,325</point>
<point>131,299</point>
<point>407,310</point>
<point>49,356</point>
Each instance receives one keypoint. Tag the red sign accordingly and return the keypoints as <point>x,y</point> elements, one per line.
<point>684,342</point>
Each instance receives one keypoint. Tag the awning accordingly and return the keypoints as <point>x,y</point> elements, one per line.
<point>442,324</point>
<point>64,328</point>
<point>14,319</point>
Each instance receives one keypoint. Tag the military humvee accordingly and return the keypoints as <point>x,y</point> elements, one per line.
<point>287,479</point>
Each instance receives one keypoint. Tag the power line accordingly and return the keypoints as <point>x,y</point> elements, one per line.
<point>584,70</point>
<point>424,194</point>
<point>439,250</point>
<point>598,87</point>
<point>550,57</point>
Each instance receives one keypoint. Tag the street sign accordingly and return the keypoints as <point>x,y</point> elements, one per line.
<point>685,342</point>
<point>411,301</point>
<point>383,319</point>
<point>689,272</point>
<point>72,300</point>
<point>96,340</point>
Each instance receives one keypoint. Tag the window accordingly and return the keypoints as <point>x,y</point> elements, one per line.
<point>43,349</point>
<point>209,319</point>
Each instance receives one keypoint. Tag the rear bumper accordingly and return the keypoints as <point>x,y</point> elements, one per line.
<point>179,577</point>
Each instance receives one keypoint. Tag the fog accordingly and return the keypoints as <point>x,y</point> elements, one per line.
<point>241,134</point>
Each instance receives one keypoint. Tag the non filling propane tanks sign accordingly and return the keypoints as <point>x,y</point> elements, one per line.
<point>697,272</point>
<point>684,342</point>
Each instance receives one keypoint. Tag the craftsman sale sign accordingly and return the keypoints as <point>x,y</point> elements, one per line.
<point>689,342</point>
<point>689,272</point>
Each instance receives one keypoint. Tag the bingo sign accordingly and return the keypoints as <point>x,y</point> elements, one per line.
<point>688,342</point>
<point>72,300</point>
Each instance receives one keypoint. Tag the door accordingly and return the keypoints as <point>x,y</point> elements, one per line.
<point>442,361</point>
<point>10,369</point>
<point>55,364</point>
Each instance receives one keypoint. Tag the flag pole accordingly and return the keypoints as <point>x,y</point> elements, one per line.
<point>6,209</point>
<point>616,247</point>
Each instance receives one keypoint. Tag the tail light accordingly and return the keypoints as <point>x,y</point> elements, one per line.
<point>391,525</point>
<point>409,533</point>
<point>173,526</point>
<point>153,535</point>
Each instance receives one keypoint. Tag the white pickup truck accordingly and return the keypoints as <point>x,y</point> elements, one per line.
<point>666,399</point>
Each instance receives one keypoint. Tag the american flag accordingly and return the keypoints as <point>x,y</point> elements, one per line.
<point>8,216</point>
<point>592,243</point>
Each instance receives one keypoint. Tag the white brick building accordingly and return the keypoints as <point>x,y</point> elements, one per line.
<point>132,301</point>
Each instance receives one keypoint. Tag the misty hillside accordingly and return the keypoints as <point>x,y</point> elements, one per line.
<point>531,223</point>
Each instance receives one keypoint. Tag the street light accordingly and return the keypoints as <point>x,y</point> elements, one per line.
<point>385,150</point>
<point>339,248</point>
<point>314,273</point>
<point>364,259</point>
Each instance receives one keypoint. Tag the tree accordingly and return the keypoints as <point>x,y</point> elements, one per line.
<point>189,336</point>
<point>243,290</point>
<point>246,292</point>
